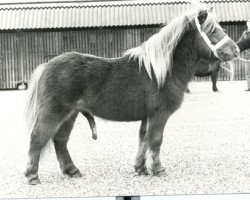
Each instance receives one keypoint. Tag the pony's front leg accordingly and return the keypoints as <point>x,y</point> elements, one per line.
<point>214,77</point>
<point>153,139</point>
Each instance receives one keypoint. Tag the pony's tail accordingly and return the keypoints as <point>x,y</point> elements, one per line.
<point>32,107</point>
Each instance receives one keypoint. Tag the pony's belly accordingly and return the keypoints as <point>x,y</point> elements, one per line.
<point>122,115</point>
<point>203,74</point>
<point>119,112</point>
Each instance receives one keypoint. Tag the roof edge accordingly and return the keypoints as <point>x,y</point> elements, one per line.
<point>90,3</point>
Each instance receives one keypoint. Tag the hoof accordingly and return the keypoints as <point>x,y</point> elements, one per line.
<point>140,169</point>
<point>94,137</point>
<point>72,172</point>
<point>77,175</point>
<point>34,182</point>
<point>32,178</point>
<point>161,174</point>
<point>157,170</point>
<point>215,90</point>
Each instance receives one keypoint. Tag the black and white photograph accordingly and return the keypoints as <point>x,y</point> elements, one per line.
<point>125,99</point>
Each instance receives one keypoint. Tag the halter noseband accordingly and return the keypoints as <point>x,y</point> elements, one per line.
<point>208,42</point>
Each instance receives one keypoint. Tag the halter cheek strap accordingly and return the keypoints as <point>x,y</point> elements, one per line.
<point>208,42</point>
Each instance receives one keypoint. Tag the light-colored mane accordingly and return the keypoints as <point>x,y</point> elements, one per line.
<point>157,52</point>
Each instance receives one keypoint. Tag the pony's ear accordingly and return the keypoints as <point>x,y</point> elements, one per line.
<point>202,16</point>
<point>186,19</point>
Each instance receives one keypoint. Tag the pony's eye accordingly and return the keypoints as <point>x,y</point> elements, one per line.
<point>212,32</point>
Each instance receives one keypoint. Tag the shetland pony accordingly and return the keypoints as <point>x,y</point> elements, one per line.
<point>147,83</point>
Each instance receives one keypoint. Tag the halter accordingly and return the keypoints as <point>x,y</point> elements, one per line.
<point>208,42</point>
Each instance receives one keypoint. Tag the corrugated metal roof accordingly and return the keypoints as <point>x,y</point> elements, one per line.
<point>114,13</point>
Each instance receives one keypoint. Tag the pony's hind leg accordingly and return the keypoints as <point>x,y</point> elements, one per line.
<point>60,140</point>
<point>154,138</point>
<point>37,142</point>
<point>44,128</point>
<point>140,157</point>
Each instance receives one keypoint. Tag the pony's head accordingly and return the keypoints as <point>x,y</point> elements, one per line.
<point>156,54</point>
<point>216,40</point>
<point>244,42</point>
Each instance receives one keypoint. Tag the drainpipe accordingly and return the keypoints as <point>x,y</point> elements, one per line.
<point>21,55</point>
<point>22,84</point>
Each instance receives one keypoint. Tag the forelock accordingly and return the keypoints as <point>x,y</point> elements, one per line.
<point>210,24</point>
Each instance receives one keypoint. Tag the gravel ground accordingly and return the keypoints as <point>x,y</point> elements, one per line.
<point>206,150</point>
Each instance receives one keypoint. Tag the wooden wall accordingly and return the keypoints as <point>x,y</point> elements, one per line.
<point>21,52</point>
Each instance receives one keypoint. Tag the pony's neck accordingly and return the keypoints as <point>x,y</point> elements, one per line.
<point>185,59</point>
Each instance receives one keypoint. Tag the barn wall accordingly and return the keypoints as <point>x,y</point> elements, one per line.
<point>21,52</point>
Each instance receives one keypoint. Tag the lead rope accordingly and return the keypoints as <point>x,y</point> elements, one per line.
<point>231,71</point>
<point>224,67</point>
<point>242,59</point>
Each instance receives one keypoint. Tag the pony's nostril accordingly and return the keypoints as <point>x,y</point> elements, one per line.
<point>237,51</point>
<point>227,57</point>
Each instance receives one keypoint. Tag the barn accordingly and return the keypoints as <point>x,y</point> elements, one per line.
<point>32,33</point>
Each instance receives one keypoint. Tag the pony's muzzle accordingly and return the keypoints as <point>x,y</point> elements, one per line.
<point>228,57</point>
<point>229,53</point>
<point>237,52</point>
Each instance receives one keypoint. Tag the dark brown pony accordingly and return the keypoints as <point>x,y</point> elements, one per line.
<point>147,83</point>
<point>212,65</point>
<point>244,41</point>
